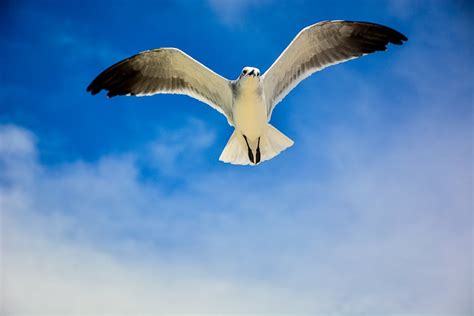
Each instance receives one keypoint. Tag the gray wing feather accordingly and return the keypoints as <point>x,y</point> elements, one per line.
<point>166,70</point>
<point>321,45</point>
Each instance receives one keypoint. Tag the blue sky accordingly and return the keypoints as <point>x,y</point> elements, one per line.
<point>121,206</point>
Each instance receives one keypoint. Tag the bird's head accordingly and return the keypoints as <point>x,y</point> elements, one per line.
<point>250,72</point>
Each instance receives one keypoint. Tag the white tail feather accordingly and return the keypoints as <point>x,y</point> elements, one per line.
<point>272,142</point>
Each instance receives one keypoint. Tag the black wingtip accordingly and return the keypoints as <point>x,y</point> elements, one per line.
<point>93,89</point>
<point>92,92</point>
<point>111,94</point>
<point>398,38</point>
<point>118,79</point>
<point>393,36</point>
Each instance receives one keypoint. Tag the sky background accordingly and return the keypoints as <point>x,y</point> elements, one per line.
<point>120,206</point>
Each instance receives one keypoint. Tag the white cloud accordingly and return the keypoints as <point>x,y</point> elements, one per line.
<point>91,238</point>
<point>172,147</point>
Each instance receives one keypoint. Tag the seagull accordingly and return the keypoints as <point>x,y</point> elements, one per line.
<point>248,101</point>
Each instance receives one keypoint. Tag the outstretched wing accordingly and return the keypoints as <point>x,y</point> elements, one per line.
<point>166,70</point>
<point>321,45</point>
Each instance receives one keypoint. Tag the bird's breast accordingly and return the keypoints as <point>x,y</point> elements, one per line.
<point>249,111</point>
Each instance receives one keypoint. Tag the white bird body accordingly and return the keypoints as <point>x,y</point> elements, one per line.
<point>254,140</point>
<point>249,109</point>
<point>249,101</point>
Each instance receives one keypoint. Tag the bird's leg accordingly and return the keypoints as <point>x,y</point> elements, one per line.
<point>250,150</point>
<point>257,154</point>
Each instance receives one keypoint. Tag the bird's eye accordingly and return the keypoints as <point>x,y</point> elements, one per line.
<point>244,72</point>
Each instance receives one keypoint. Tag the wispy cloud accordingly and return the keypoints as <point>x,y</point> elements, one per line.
<point>231,11</point>
<point>174,148</point>
<point>218,246</point>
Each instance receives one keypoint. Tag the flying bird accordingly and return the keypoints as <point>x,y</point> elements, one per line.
<point>248,101</point>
